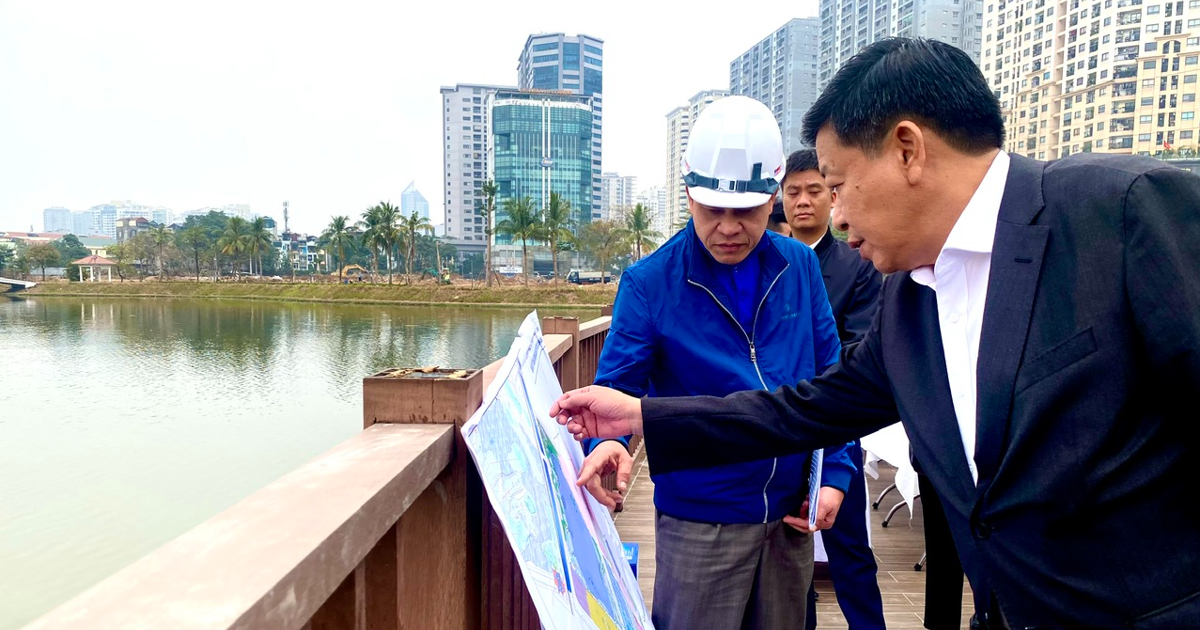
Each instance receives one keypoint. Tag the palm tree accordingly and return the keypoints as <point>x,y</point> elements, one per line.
<point>603,240</point>
<point>387,221</point>
<point>637,224</point>
<point>161,237</point>
<point>258,241</point>
<point>487,209</point>
<point>409,227</point>
<point>233,242</point>
<point>195,240</point>
<point>374,235</point>
<point>522,223</point>
<point>556,226</point>
<point>338,235</point>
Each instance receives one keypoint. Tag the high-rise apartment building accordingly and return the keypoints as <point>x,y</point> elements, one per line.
<point>575,64</point>
<point>617,193</point>
<point>81,223</point>
<point>541,142</point>
<point>411,200</point>
<point>679,125</point>
<point>655,201</point>
<point>467,132</point>
<point>846,27</point>
<point>1112,77</point>
<point>57,220</point>
<point>781,72</point>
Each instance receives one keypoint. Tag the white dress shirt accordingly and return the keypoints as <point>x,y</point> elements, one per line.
<point>960,279</point>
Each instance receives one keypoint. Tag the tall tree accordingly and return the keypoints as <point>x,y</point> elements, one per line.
<point>70,248</point>
<point>258,240</point>
<point>410,226</point>
<point>487,208</point>
<point>374,236</point>
<point>161,237</point>
<point>42,255</point>
<point>339,236</point>
<point>641,234</point>
<point>523,222</point>
<point>234,240</point>
<point>387,220</point>
<point>194,240</point>
<point>122,254</point>
<point>602,240</point>
<point>556,227</point>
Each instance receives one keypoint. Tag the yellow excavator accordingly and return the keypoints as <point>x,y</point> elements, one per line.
<point>355,273</point>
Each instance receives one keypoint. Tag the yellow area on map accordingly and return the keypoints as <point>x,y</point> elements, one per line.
<point>599,616</point>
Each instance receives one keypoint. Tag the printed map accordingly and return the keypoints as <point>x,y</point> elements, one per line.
<point>566,542</point>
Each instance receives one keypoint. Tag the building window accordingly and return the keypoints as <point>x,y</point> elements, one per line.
<point>1189,98</point>
<point>1153,9</point>
<point>1185,135</point>
<point>1191,78</point>
<point>1151,46</point>
<point>1187,115</point>
<point>1143,137</point>
<point>1148,65</point>
<point>1146,120</point>
<point>1191,61</point>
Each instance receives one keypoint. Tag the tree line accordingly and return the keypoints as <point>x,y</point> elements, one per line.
<point>383,240</point>
<point>555,228</point>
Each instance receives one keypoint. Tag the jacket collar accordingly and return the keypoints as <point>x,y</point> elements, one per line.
<point>701,267</point>
<point>825,243</point>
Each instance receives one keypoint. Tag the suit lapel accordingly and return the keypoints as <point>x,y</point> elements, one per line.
<point>935,437</point>
<point>1012,283</point>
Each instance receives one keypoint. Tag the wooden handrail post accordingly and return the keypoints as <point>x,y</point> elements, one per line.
<point>606,311</point>
<point>426,571</point>
<point>570,360</point>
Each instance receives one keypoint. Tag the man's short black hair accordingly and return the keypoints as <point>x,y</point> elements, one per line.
<point>777,215</point>
<point>931,83</point>
<point>800,161</point>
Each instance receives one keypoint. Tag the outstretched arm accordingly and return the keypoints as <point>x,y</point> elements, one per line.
<point>850,400</point>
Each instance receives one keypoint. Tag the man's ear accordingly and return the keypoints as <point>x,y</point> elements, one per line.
<point>906,145</point>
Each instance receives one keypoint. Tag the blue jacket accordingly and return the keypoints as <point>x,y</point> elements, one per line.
<point>674,333</point>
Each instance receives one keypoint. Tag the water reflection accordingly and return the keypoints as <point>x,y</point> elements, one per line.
<point>124,423</point>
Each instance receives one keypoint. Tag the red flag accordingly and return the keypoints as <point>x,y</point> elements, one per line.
<point>1166,145</point>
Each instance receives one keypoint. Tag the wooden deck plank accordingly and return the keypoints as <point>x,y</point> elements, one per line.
<point>897,548</point>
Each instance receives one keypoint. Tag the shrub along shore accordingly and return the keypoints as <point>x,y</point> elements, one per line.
<point>539,295</point>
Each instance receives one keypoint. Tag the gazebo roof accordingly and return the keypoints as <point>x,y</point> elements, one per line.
<point>93,261</point>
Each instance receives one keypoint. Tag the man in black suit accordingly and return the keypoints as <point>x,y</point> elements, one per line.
<point>1038,336</point>
<point>853,287</point>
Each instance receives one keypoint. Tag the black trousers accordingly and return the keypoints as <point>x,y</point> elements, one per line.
<point>943,571</point>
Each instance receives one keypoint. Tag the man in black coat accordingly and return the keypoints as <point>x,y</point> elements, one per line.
<point>1038,336</point>
<point>853,288</point>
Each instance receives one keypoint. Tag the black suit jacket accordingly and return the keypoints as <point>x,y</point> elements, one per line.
<point>1084,515</point>
<point>853,286</point>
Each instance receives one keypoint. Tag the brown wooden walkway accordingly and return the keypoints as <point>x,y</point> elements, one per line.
<point>897,548</point>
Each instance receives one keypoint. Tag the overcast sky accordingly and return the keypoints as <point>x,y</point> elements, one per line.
<point>187,105</point>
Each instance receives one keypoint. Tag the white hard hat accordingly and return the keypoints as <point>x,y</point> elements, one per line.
<point>734,157</point>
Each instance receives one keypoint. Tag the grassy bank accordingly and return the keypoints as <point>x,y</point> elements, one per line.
<point>544,295</point>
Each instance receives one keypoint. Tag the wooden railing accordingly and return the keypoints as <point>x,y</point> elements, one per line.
<point>389,530</point>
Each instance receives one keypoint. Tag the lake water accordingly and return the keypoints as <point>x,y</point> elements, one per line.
<point>124,423</point>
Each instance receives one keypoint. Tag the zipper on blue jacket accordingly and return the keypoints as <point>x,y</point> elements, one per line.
<point>753,361</point>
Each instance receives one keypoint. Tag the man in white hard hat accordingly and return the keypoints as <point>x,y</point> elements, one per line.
<point>725,306</point>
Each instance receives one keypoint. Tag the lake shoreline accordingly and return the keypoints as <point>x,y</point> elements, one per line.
<point>563,296</point>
